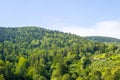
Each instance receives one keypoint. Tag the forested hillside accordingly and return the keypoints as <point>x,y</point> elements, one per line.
<point>103,39</point>
<point>33,53</point>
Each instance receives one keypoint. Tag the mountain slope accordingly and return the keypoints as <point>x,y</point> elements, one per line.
<point>33,53</point>
<point>103,39</point>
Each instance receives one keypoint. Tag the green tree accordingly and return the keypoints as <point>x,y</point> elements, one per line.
<point>2,67</point>
<point>21,68</point>
<point>116,75</point>
<point>95,75</point>
<point>2,77</point>
<point>66,77</point>
<point>42,78</point>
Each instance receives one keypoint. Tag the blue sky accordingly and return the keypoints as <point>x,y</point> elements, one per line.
<point>81,17</point>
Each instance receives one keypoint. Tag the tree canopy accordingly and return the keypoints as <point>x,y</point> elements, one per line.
<point>34,53</point>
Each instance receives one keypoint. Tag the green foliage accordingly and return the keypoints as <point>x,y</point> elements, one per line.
<point>66,77</point>
<point>42,78</point>
<point>2,77</point>
<point>117,75</point>
<point>102,39</point>
<point>32,53</point>
<point>2,67</point>
<point>21,68</point>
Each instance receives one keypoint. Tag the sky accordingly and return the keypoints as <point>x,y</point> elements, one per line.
<point>81,17</point>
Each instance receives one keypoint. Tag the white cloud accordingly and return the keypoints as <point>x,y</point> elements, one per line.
<point>105,28</point>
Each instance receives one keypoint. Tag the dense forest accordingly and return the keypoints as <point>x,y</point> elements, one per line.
<point>34,53</point>
<point>106,40</point>
<point>103,39</point>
